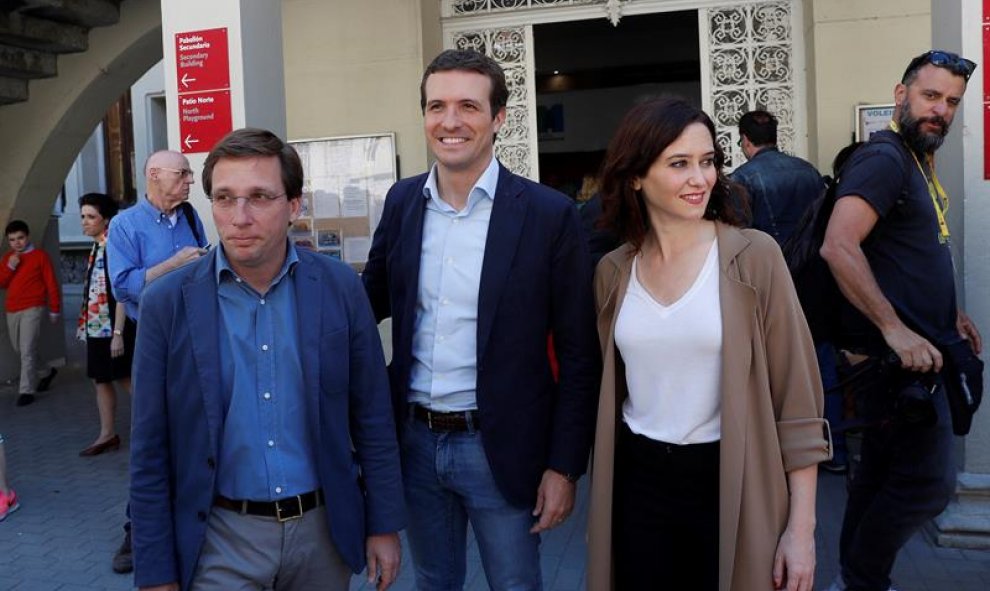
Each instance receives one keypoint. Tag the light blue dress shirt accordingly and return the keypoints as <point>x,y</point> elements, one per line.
<point>139,238</point>
<point>266,450</point>
<point>444,371</point>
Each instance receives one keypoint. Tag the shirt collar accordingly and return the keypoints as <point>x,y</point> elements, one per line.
<point>28,248</point>
<point>487,183</point>
<point>157,213</point>
<point>288,265</point>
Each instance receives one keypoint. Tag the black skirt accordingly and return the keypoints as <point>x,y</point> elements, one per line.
<point>100,366</point>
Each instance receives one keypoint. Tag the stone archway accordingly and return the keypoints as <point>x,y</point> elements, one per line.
<point>43,135</point>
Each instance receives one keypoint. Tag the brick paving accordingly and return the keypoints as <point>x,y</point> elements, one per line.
<point>72,510</point>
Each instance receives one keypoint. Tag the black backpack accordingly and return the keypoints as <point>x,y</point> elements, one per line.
<point>820,297</point>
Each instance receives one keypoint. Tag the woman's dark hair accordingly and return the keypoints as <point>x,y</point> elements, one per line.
<point>102,202</point>
<point>643,134</point>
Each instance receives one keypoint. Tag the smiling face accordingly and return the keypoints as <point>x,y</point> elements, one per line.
<point>460,127</point>
<point>253,236</point>
<point>93,224</point>
<point>679,183</point>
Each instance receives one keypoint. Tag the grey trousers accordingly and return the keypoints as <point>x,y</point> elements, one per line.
<point>247,552</point>
<point>24,328</point>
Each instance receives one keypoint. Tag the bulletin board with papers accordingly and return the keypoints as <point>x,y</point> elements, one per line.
<point>346,179</point>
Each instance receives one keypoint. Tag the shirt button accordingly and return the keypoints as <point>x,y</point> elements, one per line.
<point>457,220</point>
<point>264,347</point>
<point>262,302</point>
<point>450,260</point>
<point>278,489</point>
<point>442,338</point>
<point>267,395</point>
<point>237,279</point>
<point>445,301</point>
<point>271,443</point>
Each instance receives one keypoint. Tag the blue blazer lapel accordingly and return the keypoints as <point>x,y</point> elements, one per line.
<point>309,323</point>
<point>199,296</point>
<point>411,250</point>
<point>504,231</point>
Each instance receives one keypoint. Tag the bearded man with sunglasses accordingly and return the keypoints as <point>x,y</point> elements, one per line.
<point>888,246</point>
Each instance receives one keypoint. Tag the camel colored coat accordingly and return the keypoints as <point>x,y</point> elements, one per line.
<point>771,407</point>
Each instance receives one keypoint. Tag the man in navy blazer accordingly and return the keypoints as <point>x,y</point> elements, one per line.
<point>477,268</point>
<point>263,448</point>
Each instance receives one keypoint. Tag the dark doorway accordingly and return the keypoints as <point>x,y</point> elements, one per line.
<point>589,73</point>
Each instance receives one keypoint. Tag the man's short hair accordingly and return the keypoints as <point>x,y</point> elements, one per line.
<point>472,61</point>
<point>251,142</point>
<point>759,127</point>
<point>102,202</point>
<point>952,62</point>
<point>16,226</point>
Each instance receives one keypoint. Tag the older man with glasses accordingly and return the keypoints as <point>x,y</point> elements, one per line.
<point>888,245</point>
<point>158,234</point>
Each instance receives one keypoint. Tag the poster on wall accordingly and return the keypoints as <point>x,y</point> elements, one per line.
<point>346,179</point>
<point>872,118</point>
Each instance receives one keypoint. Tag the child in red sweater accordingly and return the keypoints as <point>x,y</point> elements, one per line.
<point>27,274</point>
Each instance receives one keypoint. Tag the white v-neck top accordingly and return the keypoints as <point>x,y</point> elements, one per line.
<point>673,359</point>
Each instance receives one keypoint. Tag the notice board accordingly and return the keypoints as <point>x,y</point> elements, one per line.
<point>346,179</point>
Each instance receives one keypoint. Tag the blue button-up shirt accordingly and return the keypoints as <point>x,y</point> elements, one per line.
<point>266,451</point>
<point>444,372</point>
<point>139,238</point>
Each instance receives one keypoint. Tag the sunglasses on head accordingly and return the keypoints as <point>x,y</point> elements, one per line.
<point>959,66</point>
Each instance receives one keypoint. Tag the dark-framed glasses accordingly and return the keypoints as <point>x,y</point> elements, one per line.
<point>959,66</point>
<point>256,200</point>
<point>183,172</point>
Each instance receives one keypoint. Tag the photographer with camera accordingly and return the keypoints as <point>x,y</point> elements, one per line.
<point>887,244</point>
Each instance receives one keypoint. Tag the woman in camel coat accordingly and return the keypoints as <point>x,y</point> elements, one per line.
<point>768,399</point>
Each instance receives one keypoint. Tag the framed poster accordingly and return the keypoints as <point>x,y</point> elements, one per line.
<point>871,118</point>
<point>346,179</point>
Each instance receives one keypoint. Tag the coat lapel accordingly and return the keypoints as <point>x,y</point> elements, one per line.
<point>738,302</point>
<point>309,323</point>
<point>199,296</point>
<point>410,252</point>
<point>504,230</point>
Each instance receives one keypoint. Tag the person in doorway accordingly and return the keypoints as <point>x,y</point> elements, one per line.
<point>263,452</point>
<point>160,233</point>
<point>103,324</point>
<point>709,421</point>
<point>888,246</point>
<point>27,274</point>
<point>476,266</point>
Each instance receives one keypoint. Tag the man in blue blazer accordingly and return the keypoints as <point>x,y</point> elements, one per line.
<point>263,448</point>
<point>478,268</point>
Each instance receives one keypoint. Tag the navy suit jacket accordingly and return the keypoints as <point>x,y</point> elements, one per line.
<point>535,280</point>
<point>177,423</point>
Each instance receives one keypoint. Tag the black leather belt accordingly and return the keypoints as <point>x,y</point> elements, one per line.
<point>465,420</point>
<point>282,509</point>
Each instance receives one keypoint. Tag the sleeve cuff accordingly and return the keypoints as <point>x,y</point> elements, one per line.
<point>804,442</point>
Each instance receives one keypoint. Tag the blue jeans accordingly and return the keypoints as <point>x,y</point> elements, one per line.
<point>834,401</point>
<point>447,483</point>
<point>906,477</point>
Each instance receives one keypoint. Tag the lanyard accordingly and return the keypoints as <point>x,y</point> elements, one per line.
<point>940,201</point>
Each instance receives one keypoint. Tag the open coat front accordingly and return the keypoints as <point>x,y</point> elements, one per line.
<point>771,407</point>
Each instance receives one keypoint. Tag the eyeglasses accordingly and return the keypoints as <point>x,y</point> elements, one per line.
<point>257,200</point>
<point>959,66</point>
<point>183,172</point>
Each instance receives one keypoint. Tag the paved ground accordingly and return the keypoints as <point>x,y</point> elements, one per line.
<point>72,509</point>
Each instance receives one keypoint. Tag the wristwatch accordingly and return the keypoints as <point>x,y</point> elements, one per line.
<point>118,332</point>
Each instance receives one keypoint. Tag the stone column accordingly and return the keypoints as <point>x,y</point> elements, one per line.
<point>957,25</point>
<point>197,91</point>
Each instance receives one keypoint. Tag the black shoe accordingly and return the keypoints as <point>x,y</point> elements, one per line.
<point>123,563</point>
<point>25,399</point>
<point>46,381</point>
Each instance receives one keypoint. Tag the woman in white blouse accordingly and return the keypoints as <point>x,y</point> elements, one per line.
<point>709,430</point>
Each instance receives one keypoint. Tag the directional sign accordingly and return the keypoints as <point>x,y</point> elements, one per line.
<point>202,61</point>
<point>202,75</point>
<point>204,118</point>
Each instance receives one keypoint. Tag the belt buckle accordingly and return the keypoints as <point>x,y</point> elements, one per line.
<point>284,512</point>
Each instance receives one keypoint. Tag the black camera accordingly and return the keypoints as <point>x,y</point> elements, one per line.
<point>914,403</point>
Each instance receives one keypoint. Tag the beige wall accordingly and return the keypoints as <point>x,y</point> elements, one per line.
<point>857,53</point>
<point>353,68</point>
